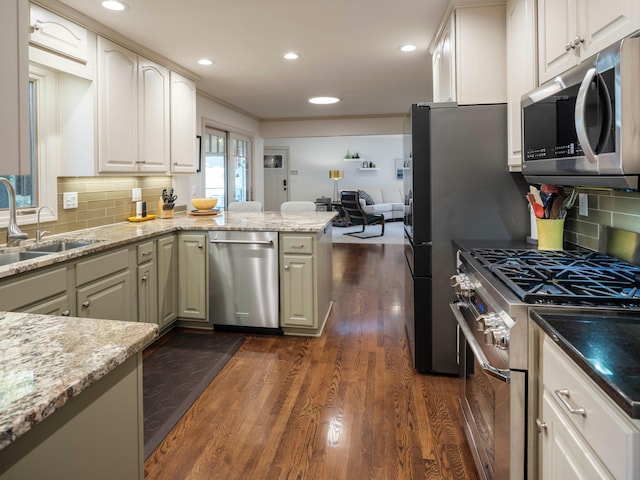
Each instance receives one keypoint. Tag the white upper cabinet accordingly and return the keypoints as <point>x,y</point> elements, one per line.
<point>14,87</point>
<point>133,112</point>
<point>522,75</point>
<point>184,147</point>
<point>57,34</point>
<point>469,56</point>
<point>570,31</point>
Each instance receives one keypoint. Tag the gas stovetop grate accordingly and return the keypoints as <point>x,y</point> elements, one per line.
<point>564,277</point>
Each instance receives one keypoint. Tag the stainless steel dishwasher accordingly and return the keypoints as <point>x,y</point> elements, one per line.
<point>243,281</point>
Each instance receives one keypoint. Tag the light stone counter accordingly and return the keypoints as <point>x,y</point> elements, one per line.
<point>45,361</point>
<point>119,234</point>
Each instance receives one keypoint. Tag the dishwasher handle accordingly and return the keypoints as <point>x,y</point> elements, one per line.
<point>244,242</point>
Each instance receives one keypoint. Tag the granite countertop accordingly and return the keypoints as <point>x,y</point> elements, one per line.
<point>124,233</point>
<point>47,360</point>
<point>605,345</point>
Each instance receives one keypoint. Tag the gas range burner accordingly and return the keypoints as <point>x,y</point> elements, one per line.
<point>568,277</point>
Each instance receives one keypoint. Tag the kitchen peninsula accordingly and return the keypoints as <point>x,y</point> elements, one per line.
<point>53,364</point>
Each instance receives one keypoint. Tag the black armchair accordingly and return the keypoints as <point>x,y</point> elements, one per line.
<point>350,200</point>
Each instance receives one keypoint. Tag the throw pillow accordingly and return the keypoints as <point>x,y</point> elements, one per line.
<point>367,198</point>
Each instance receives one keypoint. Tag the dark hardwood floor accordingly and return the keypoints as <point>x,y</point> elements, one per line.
<point>347,405</point>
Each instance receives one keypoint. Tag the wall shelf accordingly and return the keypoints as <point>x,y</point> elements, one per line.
<point>368,168</point>
<point>352,159</point>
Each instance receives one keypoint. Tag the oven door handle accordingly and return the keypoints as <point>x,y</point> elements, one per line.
<point>500,374</point>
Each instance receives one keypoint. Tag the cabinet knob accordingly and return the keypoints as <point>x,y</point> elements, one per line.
<point>144,278</point>
<point>86,304</point>
<point>568,46</point>
<point>286,267</point>
<point>66,313</point>
<point>200,245</point>
<point>541,426</point>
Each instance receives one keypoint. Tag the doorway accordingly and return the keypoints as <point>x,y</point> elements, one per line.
<point>227,173</point>
<point>276,179</point>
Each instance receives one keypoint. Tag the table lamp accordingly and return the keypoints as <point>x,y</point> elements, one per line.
<point>336,175</point>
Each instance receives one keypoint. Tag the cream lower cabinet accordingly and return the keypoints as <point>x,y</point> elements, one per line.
<point>147,277</point>
<point>104,287</point>
<point>583,434</point>
<point>167,260</point>
<point>42,292</point>
<point>305,281</point>
<point>193,273</point>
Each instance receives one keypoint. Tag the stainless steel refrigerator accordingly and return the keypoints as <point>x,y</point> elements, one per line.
<point>456,186</point>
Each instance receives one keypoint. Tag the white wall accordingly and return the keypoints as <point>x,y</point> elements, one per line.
<point>313,157</point>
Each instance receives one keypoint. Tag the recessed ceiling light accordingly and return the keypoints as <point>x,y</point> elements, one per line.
<point>324,100</point>
<point>205,61</point>
<point>407,48</point>
<point>115,5</point>
<point>291,56</point>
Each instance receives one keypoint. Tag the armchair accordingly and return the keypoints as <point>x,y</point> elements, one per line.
<point>350,200</point>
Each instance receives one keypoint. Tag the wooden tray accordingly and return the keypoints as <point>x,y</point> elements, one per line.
<point>208,213</point>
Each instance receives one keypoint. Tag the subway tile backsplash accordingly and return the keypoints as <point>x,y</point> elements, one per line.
<point>606,207</point>
<point>101,201</point>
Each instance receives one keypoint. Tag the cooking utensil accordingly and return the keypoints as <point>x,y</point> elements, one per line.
<point>556,207</point>
<point>538,209</point>
<point>536,194</point>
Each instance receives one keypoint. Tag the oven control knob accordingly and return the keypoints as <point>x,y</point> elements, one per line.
<point>498,337</point>
<point>487,320</point>
<point>462,285</point>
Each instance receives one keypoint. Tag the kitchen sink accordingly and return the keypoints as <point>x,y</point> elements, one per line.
<point>60,246</point>
<point>7,258</point>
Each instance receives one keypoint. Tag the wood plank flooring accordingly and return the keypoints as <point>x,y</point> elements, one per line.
<point>347,405</point>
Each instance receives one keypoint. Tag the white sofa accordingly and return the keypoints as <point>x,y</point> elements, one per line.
<point>387,201</point>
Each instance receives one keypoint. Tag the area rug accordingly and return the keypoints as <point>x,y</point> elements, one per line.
<point>393,234</point>
<point>176,374</point>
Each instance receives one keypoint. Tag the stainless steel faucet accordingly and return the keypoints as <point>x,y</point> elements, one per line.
<point>39,233</point>
<point>14,235</point>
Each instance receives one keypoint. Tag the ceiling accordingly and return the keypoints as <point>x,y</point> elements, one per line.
<point>347,48</point>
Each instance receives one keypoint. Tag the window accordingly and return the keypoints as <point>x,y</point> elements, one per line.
<point>227,172</point>
<point>40,187</point>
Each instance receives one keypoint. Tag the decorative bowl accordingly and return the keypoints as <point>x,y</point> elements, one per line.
<point>204,204</point>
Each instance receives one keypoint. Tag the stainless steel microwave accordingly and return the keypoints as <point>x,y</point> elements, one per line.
<point>583,127</point>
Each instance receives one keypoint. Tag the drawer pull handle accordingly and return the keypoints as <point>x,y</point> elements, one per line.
<point>297,245</point>
<point>146,254</point>
<point>564,397</point>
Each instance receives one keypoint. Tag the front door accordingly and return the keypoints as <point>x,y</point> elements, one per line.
<point>276,180</point>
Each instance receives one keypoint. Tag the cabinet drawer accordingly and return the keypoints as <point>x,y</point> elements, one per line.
<point>101,266</point>
<point>32,288</point>
<point>146,251</point>
<point>295,244</point>
<point>605,428</point>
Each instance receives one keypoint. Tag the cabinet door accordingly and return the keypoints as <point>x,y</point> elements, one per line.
<point>109,298</point>
<point>564,453</point>
<point>522,71</point>
<point>192,276</point>
<point>58,34</point>
<point>557,27</point>
<point>184,151</point>
<point>57,306</point>
<point>167,280</point>
<point>604,23</point>
<point>298,291</point>
<point>117,108</point>
<point>444,65</point>
<point>14,88</point>
<point>147,293</point>
<point>153,112</point>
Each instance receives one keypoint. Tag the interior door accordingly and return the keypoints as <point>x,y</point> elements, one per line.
<point>276,179</point>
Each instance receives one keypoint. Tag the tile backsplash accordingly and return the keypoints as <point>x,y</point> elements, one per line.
<point>610,208</point>
<point>101,201</point>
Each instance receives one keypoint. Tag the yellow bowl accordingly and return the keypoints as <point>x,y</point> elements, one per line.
<point>204,204</point>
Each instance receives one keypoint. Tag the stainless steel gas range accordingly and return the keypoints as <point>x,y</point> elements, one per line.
<point>496,288</point>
